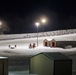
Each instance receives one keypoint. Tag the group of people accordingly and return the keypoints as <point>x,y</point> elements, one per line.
<point>12,47</point>
<point>32,46</point>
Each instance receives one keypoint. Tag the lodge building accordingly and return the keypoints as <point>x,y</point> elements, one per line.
<point>59,43</point>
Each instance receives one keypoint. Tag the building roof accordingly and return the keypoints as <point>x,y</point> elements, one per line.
<point>62,39</point>
<point>56,56</point>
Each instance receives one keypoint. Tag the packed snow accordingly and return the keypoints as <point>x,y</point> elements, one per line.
<point>22,45</point>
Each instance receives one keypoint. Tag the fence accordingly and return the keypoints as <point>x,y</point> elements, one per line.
<point>40,34</point>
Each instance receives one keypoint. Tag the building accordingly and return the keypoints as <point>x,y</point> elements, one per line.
<point>3,66</point>
<point>50,64</point>
<point>59,43</point>
<point>49,42</point>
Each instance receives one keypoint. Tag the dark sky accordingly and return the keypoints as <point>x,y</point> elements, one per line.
<point>21,15</point>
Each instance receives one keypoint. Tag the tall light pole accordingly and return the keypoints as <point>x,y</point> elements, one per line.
<point>37,24</point>
<point>43,21</point>
<point>0,27</point>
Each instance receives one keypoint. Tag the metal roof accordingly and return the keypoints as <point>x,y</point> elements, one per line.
<point>56,56</point>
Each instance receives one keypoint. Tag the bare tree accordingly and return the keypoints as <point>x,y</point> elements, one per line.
<point>4,27</point>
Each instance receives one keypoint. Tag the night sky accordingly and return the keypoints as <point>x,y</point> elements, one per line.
<point>21,15</point>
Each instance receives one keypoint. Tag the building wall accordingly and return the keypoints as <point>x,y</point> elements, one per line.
<point>3,67</point>
<point>65,43</point>
<point>63,67</point>
<point>41,65</point>
<point>46,43</point>
<point>6,67</point>
<point>52,44</point>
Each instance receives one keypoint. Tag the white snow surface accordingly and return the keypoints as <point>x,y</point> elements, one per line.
<point>22,46</point>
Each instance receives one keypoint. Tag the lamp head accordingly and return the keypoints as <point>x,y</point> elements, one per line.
<point>43,20</point>
<point>37,24</point>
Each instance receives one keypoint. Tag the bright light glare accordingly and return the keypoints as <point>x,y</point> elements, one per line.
<point>43,20</point>
<point>37,24</point>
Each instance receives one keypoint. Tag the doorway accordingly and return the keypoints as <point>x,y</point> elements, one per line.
<point>45,43</point>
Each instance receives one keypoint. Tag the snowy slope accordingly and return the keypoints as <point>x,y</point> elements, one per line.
<point>23,49</point>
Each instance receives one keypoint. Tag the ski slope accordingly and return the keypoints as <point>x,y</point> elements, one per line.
<point>23,49</point>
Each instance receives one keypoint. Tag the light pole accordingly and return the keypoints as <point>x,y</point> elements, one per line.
<point>43,21</point>
<point>37,24</point>
<point>0,27</point>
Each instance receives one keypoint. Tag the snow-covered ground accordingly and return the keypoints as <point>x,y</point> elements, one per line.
<point>23,49</point>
